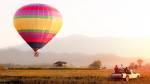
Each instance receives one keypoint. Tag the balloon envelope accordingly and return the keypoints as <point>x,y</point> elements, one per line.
<point>37,24</point>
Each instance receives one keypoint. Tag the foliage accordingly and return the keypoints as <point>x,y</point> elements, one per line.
<point>96,64</point>
<point>133,66</point>
<point>140,62</point>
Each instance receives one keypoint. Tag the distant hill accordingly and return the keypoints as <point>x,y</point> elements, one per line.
<point>14,56</point>
<point>81,50</point>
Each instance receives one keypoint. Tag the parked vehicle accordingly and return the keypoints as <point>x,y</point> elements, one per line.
<point>126,75</point>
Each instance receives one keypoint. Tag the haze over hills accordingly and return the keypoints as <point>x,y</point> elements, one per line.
<point>81,50</point>
<point>127,47</point>
<point>15,56</point>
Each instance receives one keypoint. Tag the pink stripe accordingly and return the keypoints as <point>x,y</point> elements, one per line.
<point>38,7</point>
<point>36,35</point>
<point>43,40</point>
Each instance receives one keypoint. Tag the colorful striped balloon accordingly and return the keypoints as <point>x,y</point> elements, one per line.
<point>37,24</point>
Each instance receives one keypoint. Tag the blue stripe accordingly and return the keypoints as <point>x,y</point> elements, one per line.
<point>36,45</point>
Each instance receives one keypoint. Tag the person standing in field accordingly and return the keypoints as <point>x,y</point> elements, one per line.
<point>116,69</point>
<point>127,70</point>
<point>122,68</point>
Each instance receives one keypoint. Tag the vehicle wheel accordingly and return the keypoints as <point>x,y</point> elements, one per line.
<point>127,78</point>
<point>138,76</point>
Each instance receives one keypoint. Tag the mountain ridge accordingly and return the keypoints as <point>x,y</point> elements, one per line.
<point>80,50</point>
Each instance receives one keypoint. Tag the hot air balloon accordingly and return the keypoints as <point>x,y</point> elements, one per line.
<point>37,24</point>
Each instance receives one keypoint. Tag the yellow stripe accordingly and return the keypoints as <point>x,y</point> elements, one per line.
<point>56,25</point>
<point>32,23</point>
<point>53,25</point>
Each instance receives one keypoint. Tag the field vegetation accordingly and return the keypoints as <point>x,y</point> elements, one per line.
<point>67,76</point>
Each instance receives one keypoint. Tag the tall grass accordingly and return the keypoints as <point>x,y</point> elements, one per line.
<point>66,77</point>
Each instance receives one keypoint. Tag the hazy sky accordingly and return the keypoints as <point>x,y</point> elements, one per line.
<point>115,18</point>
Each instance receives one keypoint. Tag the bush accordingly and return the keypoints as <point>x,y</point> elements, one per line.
<point>96,64</point>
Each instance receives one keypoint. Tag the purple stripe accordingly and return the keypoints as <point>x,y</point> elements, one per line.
<point>32,12</point>
<point>29,13</point>
<point>36,34</point>
<point>37,12</point>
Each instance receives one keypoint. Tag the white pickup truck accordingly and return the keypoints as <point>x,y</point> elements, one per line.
<point>126,76</point>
